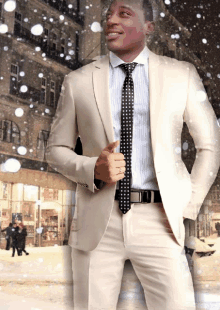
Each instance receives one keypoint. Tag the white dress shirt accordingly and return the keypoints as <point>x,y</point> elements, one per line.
<point>143,172</point>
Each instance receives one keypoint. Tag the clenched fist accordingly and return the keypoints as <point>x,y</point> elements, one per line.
<point>110,166</point>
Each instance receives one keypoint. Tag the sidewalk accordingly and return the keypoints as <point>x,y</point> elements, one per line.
<point>50,264</point>
<point>43,280</point>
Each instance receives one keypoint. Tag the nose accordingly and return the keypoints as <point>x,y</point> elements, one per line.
<point>112,19</point>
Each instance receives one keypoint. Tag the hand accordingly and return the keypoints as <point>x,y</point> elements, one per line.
<point>110,166</point>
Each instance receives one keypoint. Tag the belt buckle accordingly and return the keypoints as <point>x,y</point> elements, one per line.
<point>152,197</point>
<point>135,197</point>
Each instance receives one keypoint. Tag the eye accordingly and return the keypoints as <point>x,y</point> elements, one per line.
<point>125,13</point>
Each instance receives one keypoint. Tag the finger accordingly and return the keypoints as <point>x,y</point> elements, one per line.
<point>110,148</point>
<point>118,156</point>
<point>120,163</point>
<point>116,178</point>
<point>121,170</point>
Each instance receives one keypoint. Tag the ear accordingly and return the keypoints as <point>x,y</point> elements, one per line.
<point>149,27</point>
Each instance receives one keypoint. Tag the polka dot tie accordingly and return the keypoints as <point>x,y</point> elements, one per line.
<point>127,108</point>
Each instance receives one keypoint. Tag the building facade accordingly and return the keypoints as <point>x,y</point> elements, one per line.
<point>40,42</point>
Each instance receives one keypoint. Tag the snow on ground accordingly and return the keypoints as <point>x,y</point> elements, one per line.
<point>43,280</point>
<point>46,263</point>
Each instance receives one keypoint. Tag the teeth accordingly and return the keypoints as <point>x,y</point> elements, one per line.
<point>113,34</point>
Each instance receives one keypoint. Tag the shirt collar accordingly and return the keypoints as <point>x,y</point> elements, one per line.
<point>142,58</point>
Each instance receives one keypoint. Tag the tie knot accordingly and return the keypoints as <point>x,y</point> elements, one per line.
<point>129,67</point>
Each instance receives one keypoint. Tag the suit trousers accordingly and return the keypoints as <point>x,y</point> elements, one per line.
<point>142,235</point>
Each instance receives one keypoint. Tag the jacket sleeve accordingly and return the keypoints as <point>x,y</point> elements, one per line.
<point>62,140</point>
<point>203,127</point>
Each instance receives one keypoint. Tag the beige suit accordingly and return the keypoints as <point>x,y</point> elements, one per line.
<point>176,95</point>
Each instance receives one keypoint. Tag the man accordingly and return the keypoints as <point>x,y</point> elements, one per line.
<point>130,202</point>
<point>8,236</point>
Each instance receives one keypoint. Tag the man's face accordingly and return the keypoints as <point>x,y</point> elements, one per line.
<point>125,27</point>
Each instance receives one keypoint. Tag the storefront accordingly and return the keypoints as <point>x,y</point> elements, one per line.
<point>45,212</point>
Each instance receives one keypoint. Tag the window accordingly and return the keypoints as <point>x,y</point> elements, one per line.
<point>54,41</point>
<point>63,46</point>
<point>14,70</point>
<point>0,9</point>
<point>18,16</point>
<point>52,93</point>
<point>43,90</point>
<point>17,24</point>
<point>42,143</point>
<point>46,32</point>
<point>14,80</point>
<point>9,132</point>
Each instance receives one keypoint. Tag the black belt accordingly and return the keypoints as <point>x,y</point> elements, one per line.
<point>140,196</point>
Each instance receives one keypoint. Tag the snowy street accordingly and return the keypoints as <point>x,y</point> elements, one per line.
<point>43,280</point>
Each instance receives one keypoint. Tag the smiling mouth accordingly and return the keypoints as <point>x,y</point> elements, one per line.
<point>113,34</point>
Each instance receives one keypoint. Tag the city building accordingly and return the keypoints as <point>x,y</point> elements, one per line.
<point>40,42</point>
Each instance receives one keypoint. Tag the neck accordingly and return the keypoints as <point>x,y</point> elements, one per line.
<point>129,56</point>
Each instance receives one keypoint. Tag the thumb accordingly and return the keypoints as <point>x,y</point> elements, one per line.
<point>110,148</point>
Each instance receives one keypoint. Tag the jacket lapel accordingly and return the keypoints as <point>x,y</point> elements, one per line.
<point>155,101</point>
<point>101,90</point>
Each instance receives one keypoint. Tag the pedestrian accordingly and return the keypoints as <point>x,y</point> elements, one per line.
<point>217,227</point>
<point>15,237</point>
<point>22,239</point>
<point>132,198</point>
<point>8,231</point>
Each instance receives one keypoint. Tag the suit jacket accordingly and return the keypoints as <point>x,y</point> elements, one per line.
<point>176,95</point>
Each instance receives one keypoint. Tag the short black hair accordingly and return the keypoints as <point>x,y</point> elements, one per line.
<point>146,5</point>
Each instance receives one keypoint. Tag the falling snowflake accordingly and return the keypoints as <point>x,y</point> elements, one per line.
<point>185,146</point>
<point>19,112</point>
<point>10,5</point>
<point>37,30</point>
<point>3,28</point>
<point>22,150</point>
<point>201,95</point>
<point>96,27</point>
<point>11,165</point>
<point>23,89</point>
<point>178,150</point>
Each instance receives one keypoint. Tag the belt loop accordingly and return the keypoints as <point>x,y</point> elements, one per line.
<point>152,197</point>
